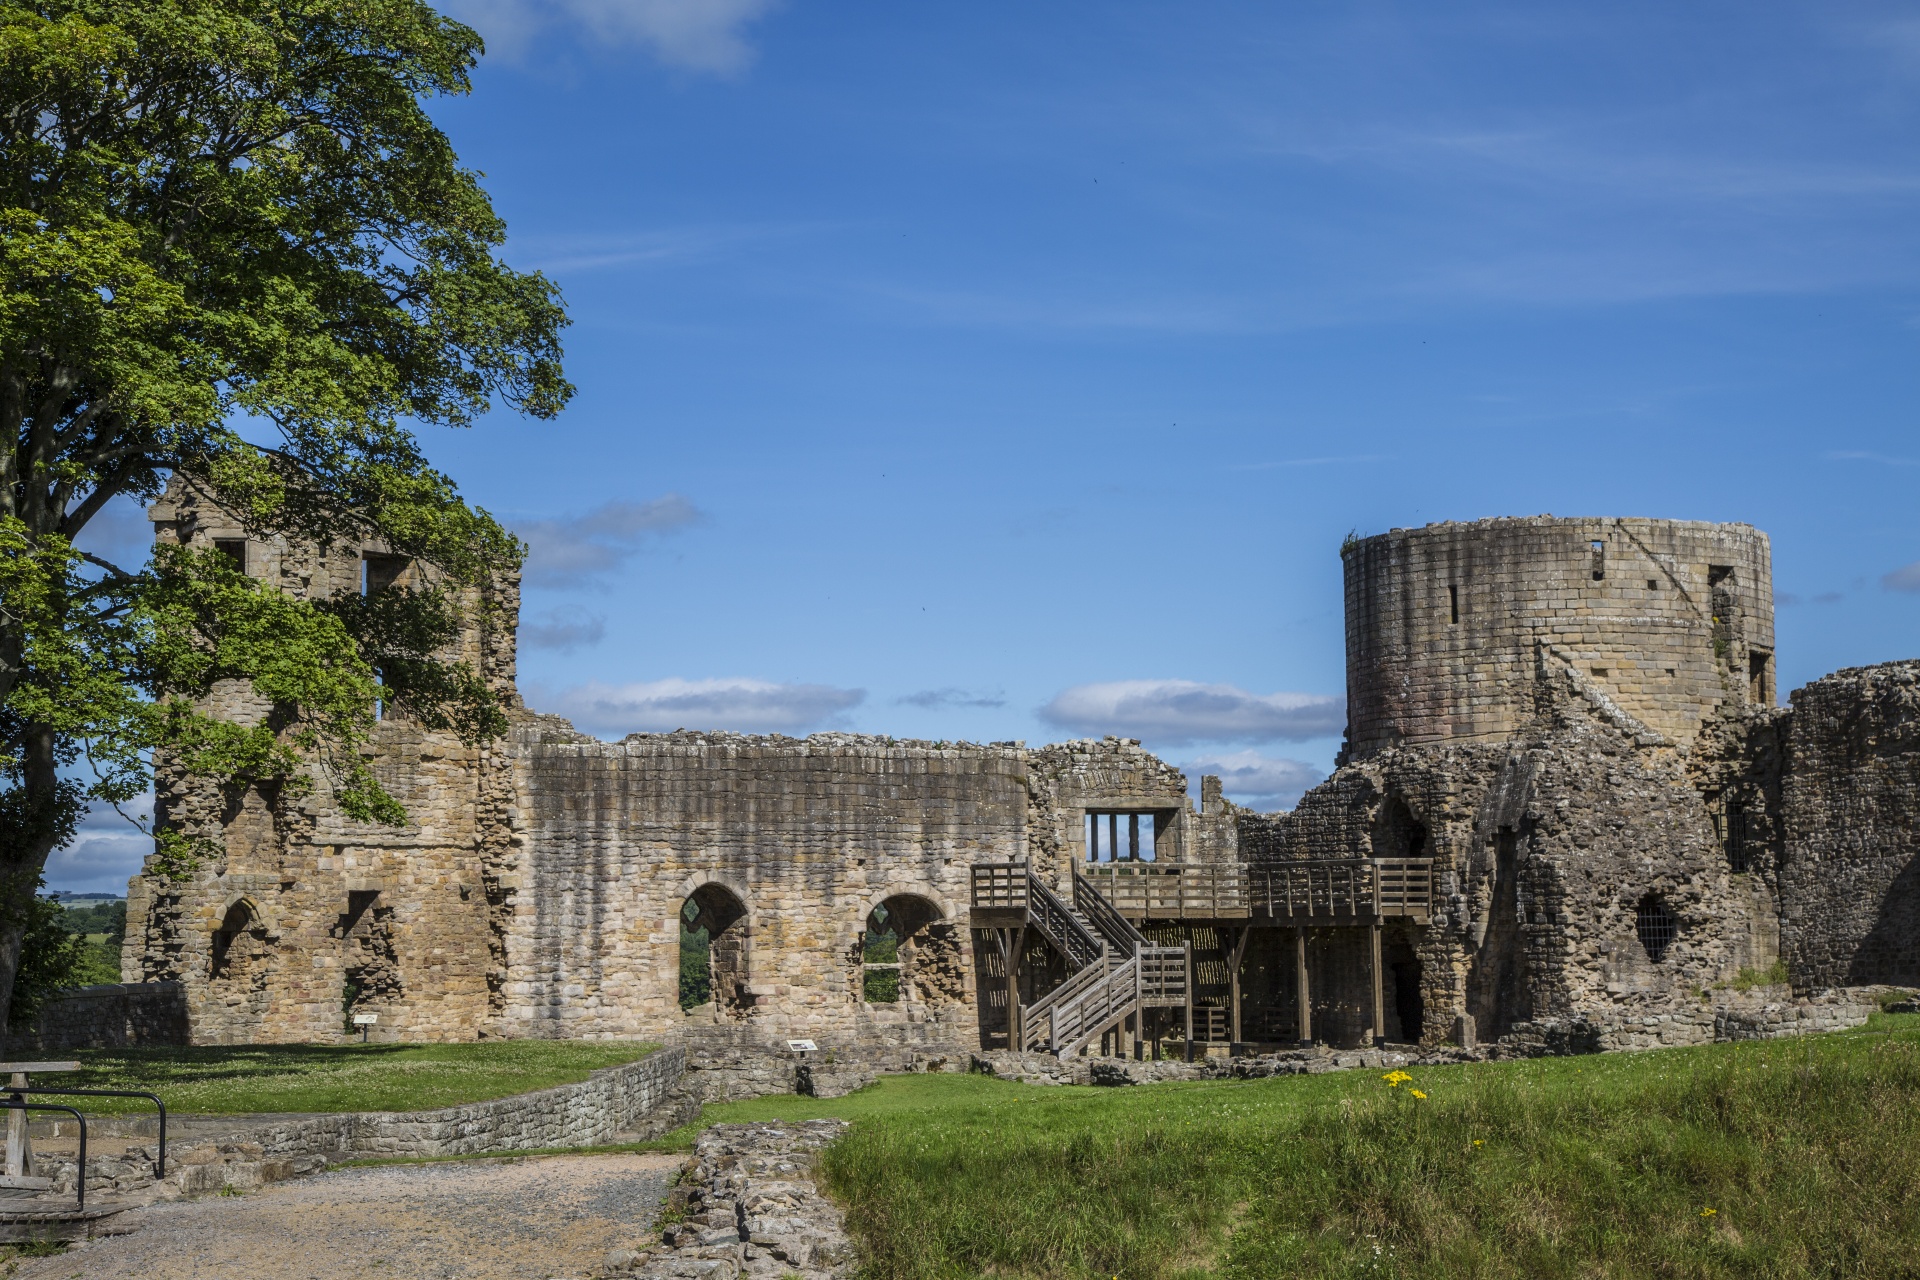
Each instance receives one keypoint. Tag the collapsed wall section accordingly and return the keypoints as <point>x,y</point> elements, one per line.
<point>1850,807</point>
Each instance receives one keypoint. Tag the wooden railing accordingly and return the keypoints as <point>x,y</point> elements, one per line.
<point>1000,886</point>
<point>1099,1006</point>
<point>1118,931</point>
<point>1319,890</point>
<point>1069,937</point>
<point>1163,977</point>
<point>1170,891</point>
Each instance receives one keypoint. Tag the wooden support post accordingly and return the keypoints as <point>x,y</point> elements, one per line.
<point>1379,1002</point>
<point>19,1149</point>
<point>1303,992</point>
<point>1133,837</point>
<point>1013,943</point>
<point>1234,956</point>
<point>1189,995</point>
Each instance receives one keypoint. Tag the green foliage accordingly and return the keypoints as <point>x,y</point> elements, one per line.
<point>235,250</point>
<point>696,960</point>
<point>238,1079</point>
<point>1807,1151</point>
<point>52,959</point>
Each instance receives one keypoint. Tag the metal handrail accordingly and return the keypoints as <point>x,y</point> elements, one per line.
<point>15,1102</point>
<point>160,1166</point>
<point>1117,929</point>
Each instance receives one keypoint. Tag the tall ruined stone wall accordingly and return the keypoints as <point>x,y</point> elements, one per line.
<point>1447,625</point>
<point>805,837</point>
<point>304,916</point>
<point>1850,803</point>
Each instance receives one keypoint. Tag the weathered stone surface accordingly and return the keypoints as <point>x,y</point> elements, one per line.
<point>747,1205</point>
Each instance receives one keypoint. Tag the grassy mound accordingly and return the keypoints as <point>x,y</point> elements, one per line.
<point>227,1080</point>
<point>1788,1158</point>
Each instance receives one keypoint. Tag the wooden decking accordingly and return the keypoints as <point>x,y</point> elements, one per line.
<point>1316,893</point>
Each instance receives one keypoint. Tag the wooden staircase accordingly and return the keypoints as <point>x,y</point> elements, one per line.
<point>1114,974</point>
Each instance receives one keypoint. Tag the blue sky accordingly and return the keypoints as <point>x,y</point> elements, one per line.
<point>1010,371</point>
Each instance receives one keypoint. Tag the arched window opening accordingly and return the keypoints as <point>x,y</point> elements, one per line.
<point>713,950</point>
<point>231,943</point>
<point>909,954</point>
<point>1657,926</point>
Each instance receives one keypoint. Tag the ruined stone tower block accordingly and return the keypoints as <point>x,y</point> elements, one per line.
<point>1666,620</point>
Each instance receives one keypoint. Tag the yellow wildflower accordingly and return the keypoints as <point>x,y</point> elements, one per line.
<point>1394,1079</point>
<point>1708,1213</point>
<point>1419,1095</point>
<point>1479,1142</point>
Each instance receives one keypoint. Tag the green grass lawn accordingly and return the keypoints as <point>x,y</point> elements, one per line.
<point>1786,1158</point>
<point>225,1080</point>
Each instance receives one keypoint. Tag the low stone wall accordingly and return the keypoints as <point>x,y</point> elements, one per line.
<point>114,1015</point>
<point>1765,1013</point>
<point>633,1102</point>
<point>614,1101</point>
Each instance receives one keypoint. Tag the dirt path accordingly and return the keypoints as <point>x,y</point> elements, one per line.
<point>524,1219</point>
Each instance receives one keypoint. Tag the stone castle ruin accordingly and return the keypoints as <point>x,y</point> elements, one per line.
<point>1568,815</point>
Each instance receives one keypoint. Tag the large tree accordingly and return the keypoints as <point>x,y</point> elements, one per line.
<point>235,249</point>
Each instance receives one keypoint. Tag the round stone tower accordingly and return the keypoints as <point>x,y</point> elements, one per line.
<point>1450,628</point>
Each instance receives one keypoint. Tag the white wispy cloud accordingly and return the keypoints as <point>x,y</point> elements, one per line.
<point>1905,578</point>
<point>576,549</point>
<point>1175,712</point>
<point>738,703</point>
<point>932,699</point>
<point>693,35</point>
<point>1257,781</point>
<point>563,629</point>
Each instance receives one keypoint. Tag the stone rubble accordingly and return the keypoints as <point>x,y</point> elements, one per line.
<point>746,1206</point>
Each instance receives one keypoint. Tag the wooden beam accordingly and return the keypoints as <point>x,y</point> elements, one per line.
<point>1304,992</point>
<point>1379,1001</point>
<point>1235,955</point>
<point>1189,946</point>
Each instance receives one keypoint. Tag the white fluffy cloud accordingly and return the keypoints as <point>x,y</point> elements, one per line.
<point>696,35</point>
<point>745,705</point>
<point>1175,712</point>
<point>1257,781</point>
<point>1906,578</point>
<point>572,551</point>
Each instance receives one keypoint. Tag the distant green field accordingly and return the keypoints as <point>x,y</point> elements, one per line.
<point>1790,1158</point>
<point>226,1080</point>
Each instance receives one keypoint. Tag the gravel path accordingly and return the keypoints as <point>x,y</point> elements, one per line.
<point>528,1219</point>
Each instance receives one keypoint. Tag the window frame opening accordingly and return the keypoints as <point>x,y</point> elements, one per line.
<point>235,550</point>
<point>725,965</point>
<point>1656,926</point>
<point>1453,604</point>
<point>1129,839</point>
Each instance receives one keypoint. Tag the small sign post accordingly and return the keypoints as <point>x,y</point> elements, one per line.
<point>800,1048</point>
<point>363,1021</point>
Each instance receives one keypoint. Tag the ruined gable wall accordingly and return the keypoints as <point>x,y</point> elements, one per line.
<point>291,866</point>
<point>611,838</point>
<point>1660,633</point>
<point>1072,779</point>
<point>1849,879</point>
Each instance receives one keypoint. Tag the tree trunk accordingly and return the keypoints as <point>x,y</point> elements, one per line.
<point>42,824</point>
